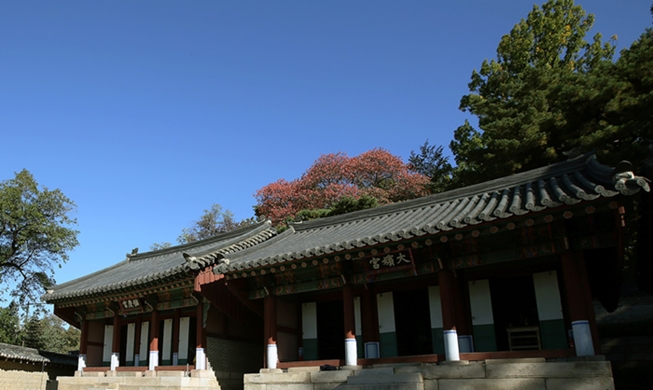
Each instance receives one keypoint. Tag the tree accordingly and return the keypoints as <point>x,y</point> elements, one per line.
<point>57,337</point>
<point>336,181</point>
<point>50,333</point>
<point>630,108</point>
<point>10,324</point>
<point>35,235</point>
<point>432,163</point>
<point>540,98</point>
<point>213,222</point>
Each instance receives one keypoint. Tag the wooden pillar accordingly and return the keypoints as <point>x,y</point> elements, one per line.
<point>115,344</point>
<point>270,314</point>
<point>578,301</point>
<point>154,341</point>
<point>370,323</point>
<point>83,345</point>
<point>448,287</point>
<point>200,355</point>
<point>351,349</point>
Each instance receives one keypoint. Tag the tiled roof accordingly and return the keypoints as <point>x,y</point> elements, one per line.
<point>23,354</point>
<point>168,264</point>
<point>31,355</point>
<point>567,183</point>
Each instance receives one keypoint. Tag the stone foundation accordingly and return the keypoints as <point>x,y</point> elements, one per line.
<point>148,380</point>
<point>523,374</point>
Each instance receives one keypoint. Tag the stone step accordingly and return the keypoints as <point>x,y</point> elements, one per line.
<point>385,378</point>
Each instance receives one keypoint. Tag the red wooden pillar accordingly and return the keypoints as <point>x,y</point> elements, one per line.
<point>579,302</point>
<point>83,345</point>
<point>154,341</point>
<point>200,355</point>
<point>370,323</point>
<point>448,291</point>
<point>115,343</point>
<point>270,314</point>
<point>351,349</point>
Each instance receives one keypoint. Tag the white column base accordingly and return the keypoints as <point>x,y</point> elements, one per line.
<point>200,359</point>
<point>175,359</point>
<point>137,360</point>
<point>154,360</point>
<point>451,350</point>
<point>583,338</point>
<point>81,362</point>
<point>273,356</point>
<point>351,352</point>
<point>115,360</point>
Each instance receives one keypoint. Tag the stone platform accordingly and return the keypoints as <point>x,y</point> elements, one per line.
<point>504,374</point>
<point>141,380</point>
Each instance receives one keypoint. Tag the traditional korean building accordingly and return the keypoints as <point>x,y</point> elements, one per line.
<point>504,269</point>
<point>154,310</point>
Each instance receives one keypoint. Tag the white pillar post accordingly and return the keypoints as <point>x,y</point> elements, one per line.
<point>583,338</point>
<point>200,359</point>
<point>154,360</point>
<point>273,356</point>
<point>351,352</point>
<point>451,350</point>
<point>81,362</point>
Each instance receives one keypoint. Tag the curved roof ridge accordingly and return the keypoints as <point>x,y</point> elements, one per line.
<point>469,191</point>
<point>145,268</point>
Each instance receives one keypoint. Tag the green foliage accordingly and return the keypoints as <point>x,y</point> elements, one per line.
<point>35,236</point>
<point>346,204</point>
<point>50,334</point>
<point>9,325</point>
<point>160,245</point>
<point>32,333</point>
<point>307,215</point>
<point>539,99</point>
<point>432,163</point>
<point>211,223</point>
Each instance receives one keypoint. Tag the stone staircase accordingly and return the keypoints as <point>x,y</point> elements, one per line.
<point>384,378</point>
<point>522,374</point>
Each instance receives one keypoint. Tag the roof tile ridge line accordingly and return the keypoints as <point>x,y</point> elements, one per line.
<point>252,241</point>
<point>279,237</point>
<point>471,190</point>
<point>174,271</point>
<point>219,237</point>
<point>231,266</point>
<point>85,277</point>
<point>261,228</point>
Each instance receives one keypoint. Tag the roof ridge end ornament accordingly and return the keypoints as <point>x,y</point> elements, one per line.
<point>188,257</point>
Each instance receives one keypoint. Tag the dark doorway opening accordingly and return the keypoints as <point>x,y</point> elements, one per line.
<point>330,330</point>
<point>513,305</point>
<point>122,358</point>
<point>413,322</point>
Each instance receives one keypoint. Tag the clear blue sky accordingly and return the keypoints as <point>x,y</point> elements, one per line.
<point>147,112</point>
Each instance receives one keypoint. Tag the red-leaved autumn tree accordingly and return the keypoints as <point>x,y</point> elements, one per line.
<point>333,177</point>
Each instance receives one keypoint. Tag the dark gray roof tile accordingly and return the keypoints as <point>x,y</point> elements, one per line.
<point>567,183</point>
<point>147,268</point>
